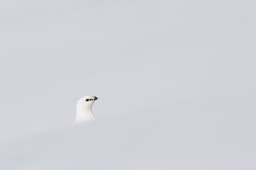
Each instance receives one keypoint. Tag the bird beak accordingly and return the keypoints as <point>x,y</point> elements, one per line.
<point>95,98</point>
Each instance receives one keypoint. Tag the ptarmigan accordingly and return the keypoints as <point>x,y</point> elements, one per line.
<point>84,109</point>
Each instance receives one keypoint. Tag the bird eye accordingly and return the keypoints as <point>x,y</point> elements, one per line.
<point>87,100</point>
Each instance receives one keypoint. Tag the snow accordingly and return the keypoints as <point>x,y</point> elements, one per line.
<point>213,132</point>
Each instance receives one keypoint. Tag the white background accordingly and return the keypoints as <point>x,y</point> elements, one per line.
<point>180,72</point>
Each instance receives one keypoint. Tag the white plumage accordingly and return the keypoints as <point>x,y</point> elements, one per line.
<point>84,109</point>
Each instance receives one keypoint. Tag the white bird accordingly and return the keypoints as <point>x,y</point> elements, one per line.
<point>84,109</point>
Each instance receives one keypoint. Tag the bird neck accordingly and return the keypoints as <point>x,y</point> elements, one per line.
<point>84,113</point>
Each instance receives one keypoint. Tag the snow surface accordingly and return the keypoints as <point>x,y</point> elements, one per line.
<point>214,132</point>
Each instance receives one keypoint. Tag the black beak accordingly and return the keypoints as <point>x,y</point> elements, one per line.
<point>95,98</point>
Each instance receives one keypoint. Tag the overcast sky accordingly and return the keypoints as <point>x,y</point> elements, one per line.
<point>133,55</point>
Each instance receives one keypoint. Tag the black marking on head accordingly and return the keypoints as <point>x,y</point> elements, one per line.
<point>91,99</point>
<point>87,100</point>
